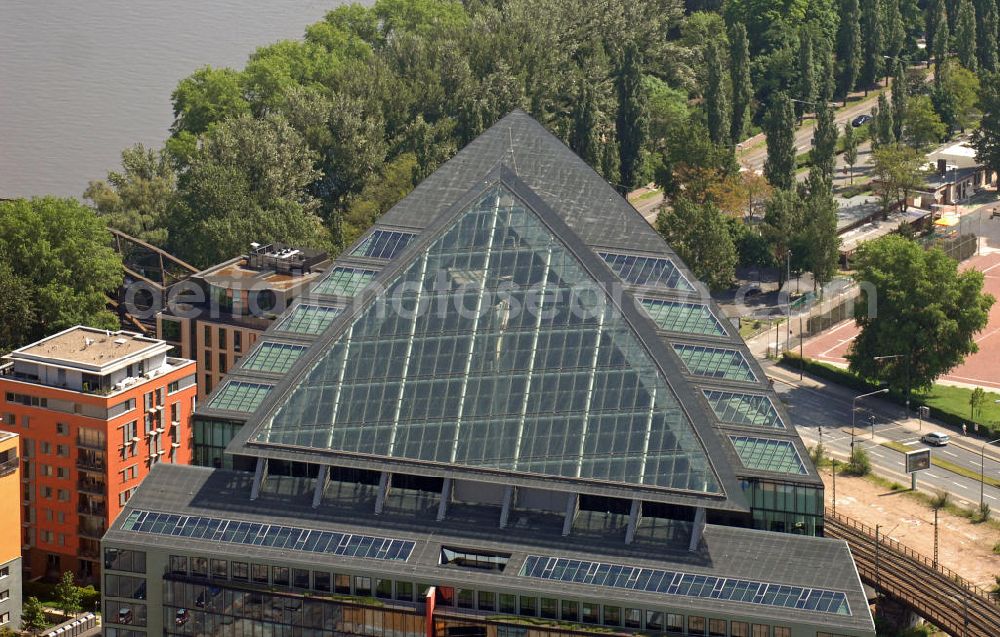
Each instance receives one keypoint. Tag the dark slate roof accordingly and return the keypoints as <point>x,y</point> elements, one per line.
<point>778,558</point>
<point>585,201</point>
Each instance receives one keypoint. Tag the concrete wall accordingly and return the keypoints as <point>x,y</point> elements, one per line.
<point>11,585</point>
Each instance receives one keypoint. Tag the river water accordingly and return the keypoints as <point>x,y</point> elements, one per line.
<point>82,79</point>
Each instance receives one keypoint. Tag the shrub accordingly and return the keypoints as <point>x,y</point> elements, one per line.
<point>981,514</point>
<point>860,464</point>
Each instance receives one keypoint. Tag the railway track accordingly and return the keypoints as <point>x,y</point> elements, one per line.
<point>935,593</point>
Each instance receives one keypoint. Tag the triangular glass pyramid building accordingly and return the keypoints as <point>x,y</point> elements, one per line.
<point>494,346</point>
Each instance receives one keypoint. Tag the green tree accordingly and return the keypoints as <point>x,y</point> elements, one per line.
<point>986,37</point>
<point>784,221</point>
<point>965,35</point>
<point>872,38</point>
<point>60,252</point>
<point>716,98</point>
<point>925,310</point>
<point>942,36</point>
<point>739,60</point>
<point>900,94</point>
<point>823,255</point>
<point>955,97</point>
<point>893,28</point>
<point>700,236</point>
<point>583,135</point>
<point>922,126</point>
<point>898,171</point>
<point>986,138</point>
<point>824,149</point>
<point>805,90</point>
<point>249,181</point>
<point>207,96</point>
<point>976,401</point>
<point>137,199</point>
<point>17,309</point>
<point>68,596</point>
<point>882,127</point>
<point>849,46</point>
<point>850,148</point>
<point>379,195</point>
<point>779,168</point>
<point>33,616</point>
<point>631,122</point>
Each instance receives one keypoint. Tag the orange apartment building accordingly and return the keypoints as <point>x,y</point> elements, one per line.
<point>94,411</point>
<point>226,307</point>
<point>10,532</point>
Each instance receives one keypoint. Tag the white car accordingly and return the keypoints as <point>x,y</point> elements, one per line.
<point>935,438</point>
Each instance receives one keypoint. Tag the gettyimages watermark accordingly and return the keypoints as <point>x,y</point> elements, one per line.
<point>452,293</point>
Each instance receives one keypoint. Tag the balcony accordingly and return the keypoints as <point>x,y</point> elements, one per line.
<point>96,509</point>
<point>91,464</point>
<point>9,466</point>
<point>95,487</point>
<point>86,443</point>
<point>93,531</point>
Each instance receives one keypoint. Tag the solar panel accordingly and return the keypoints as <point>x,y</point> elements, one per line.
<point>383,244</point>
<point>685,584</point>
<point>345,281</point>
<point>688,318</point>
<point>274,357</point>
<point>744,409</point>
<point>269,535</point>
<point>308,319</point>
<point>239,396</point>
<point>651,271</point>
<point>768,454</point>
<point>715,362</point>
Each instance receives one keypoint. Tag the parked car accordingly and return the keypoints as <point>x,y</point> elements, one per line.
<point>935,438</point>
<point>182,617</point>
<point>860,120</point>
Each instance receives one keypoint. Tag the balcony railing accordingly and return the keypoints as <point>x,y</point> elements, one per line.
<point>91,486</point>
<point>93,508</point>
<point>9,466</point>
<point>90,464</point>
<point>91,531</point>
<point>91,444</point>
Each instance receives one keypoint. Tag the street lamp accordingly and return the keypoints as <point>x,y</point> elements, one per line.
<point>982,471</point>
<point>854,411</point>
<point>907,357</point>
<point>788,305</point>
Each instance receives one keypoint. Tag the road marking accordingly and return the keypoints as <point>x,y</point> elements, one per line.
<point>991,497</point>
<point>931,475</point>
<point>910,442</point>
<point>954,455</point>
<point>876,454</point>
<point>959,485</point>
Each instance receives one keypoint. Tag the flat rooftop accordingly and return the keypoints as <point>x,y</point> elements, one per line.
<point>6,435</point>
<point>775,558</point>
<point>87,346</point>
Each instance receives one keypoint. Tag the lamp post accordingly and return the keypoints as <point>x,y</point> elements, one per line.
<point>907,357</point>
<point>854,411</point>
<point>788,305</point>
<point>982,471</point>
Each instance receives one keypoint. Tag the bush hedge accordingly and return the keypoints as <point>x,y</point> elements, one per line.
<point>844,377</point>
<point>46,592</point>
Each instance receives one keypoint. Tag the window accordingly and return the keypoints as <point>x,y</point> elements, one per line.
<point>45,448</point>
<point>675,623</point>
<point>321,579</point>
<point>124,560</point>
<point>9,419</point>
<point>508,603</point>
<point>342,584</point>
<point>279,575</point>
<point>222,339</point>
<point>47,493</point>
<point>178,565</point>
<point>208,362</point>
<point>175,412</point>
<point>199,566</point>
<point>259,572</point>
<point>62,450</point>
<point>25,399</point>
<point>63,495</point>
<point>467,558</point>
<point>124,613</point>
<point>4,571</point>
<point>717,628</point>
<point>4,595</point>
<point>696,625</point>
<point>383,588</point>
<point>654,620</point>
<point>633,618</point>
<point>404,591</point>
<point>4,618</point>
<point>590,613</point>
<point>739,629</point>
<point>761,630</point>
<point>62,429</point>
<point>237,341</point>
<point>26,422</point>
<point>45,470</point>
<point>570,611</point>
<point>222,363</point>
<point>549,608</point>
<point>124,586</point>
<point>147,400</point>
<point>220,569</point>
<point>612,616</point>
<point>208,336</point>
<point>528,608</point>
<point>173,386</point>
<point>487,600</point>
<point>159,395</point>
<point>363,586</point>
<point>170,330</point>
<point>782,631</point>
<point>466,598</point>
<point>62,472</point>
<point>300,579</point>
<point>241,571</point>
<point>208,383</point>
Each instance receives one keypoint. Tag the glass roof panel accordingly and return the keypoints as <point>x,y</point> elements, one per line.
<point>744,409</point>
<point>715,362</point>
<point>648,271</point>
<point>273,357</point>
<point>308,319</point>
<point>239,396</point>
<point>479,376</point>
<point>383,244</point>
<point>344,281</point>
<point>768,454</point>
<point>270,535</point>
<point>666,582</point>
<point>688,318</point>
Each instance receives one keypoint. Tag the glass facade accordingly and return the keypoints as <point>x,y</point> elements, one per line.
<point>211,435</point>
<point>715,362</point>
<point>785,507</point>
<point>383,244</point>
<point>647,271</point>
<point>273,357</point>
<point>308,319</point>
<point>744,409</point>
<point>768,454</point>
<point>239,396</point>
<point>501,352</point>
<point>344,282</point>
<point>687,318</point>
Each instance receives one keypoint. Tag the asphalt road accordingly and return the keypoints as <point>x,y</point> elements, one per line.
<point>829,410</point>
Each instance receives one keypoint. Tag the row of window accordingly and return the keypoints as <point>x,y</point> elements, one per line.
<point>489,601</point>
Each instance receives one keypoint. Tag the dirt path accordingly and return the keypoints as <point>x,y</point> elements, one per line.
<point>964,547</point>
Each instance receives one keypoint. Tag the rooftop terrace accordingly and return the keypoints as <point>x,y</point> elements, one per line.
<point>88,347</point>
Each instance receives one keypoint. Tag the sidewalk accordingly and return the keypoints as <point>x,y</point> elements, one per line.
<point>912,425</point>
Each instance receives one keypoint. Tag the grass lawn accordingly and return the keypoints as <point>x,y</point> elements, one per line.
<point>956,400</point>
<point>645,196</point>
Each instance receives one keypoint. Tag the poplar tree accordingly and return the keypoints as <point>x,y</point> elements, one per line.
<point>850,148</point>
<point>894,31</point>
<point>716,100</point>
<point>882,129</point>
<point>900,92</point>
<point>739,55</point>
<point>849,46</point>
<point>632,113</point>
<point>986,37</point>
<point>871,33</point>
<point>965,35</point>
<point>779,168</point>
<point>824,151</point>
<point>939,46</point>
<point>806,84</point>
